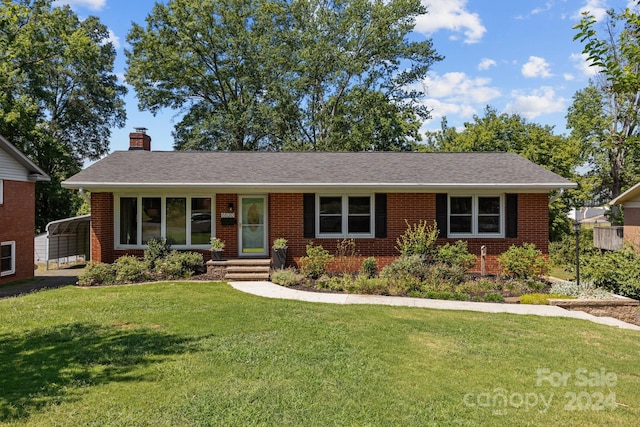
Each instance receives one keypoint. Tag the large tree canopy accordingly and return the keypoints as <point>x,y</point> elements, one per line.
<point>278,74</point>
<point>58,93</point>
<point>512,133</point>
<point>605,115</point>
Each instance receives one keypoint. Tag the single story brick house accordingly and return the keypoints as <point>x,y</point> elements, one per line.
<point>248,199</point>
<point>18,176</point>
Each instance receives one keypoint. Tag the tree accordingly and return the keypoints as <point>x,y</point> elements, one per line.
<point>277,74</point>
<point>604,116</point>
<point>58,94</point>
<point>512,133</point>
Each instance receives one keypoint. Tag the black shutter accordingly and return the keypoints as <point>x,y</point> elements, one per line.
<point>441,214</point>
<point>381,215</point>
<point>309,213</point>
<point>512,215</point>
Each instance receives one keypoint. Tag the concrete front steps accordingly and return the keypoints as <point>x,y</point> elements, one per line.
<point>238,270</point>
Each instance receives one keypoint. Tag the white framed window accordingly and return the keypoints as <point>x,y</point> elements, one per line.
<point>344,215</point>
<point>186,221</point>
<point>7,258</point>
<point>476,215</point>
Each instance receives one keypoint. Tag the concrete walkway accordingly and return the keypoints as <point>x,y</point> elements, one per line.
<point>271,290</point>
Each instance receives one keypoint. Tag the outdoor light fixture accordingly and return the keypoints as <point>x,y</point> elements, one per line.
<point>576,228</point>
<point>230,206</point>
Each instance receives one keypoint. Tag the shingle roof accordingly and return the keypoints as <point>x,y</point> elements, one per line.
<point>141,168</point>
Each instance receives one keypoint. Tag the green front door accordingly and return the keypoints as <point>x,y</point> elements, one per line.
<point>253,226</point>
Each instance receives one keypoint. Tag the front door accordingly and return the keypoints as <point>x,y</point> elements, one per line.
<point>253,226</point>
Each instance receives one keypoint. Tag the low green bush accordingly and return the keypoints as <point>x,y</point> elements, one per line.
<point>408,265</point>
<point>368,286</point>
<point>334,283</point>
<point>156,249</point>
<point>586,290</point>
<point>369,267</point>
<point>493,297</point>
<point>178,265</point>
<point>541,299</point>
<point>129,269</point>
<point>97,273</point>
<point>315,263</point>
<point>418,239</point>
<point>456,254</point>
<point>287,277</point>
<point>523,262</point>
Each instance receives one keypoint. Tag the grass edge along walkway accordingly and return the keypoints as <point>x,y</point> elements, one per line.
<point>271,290</point>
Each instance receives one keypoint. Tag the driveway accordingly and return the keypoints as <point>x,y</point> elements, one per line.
<point>44,279</point>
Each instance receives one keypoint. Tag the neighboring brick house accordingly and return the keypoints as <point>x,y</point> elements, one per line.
<point>248,199</point>
<point>630,202</point>
<point>18,176</point>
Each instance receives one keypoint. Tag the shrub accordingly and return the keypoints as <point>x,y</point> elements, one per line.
<point>287,277</point>
<point>441,295</point>
<point>334,283</point>
<point>156,249</point>
<point>96,273</point>
<point>368,286</point>
<point>407,265</point>
<point>523,262</point>
<point>346,256</point>
<point>316,262</point>
<point>493,297</point>
<point>129,269</point>
<point>541,299</point>
<point>456,254</point>
<point>563,253</point>
<point>586,290</point>
<point>369,267</point>
<point>178,265</point>
<point>418,239</point>
<point>617,272</point>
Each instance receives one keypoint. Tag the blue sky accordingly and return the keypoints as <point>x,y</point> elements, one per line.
<point>516,55</point>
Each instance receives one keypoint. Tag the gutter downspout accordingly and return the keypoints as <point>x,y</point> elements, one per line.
<point>84,195</point>
<point>553,199</point>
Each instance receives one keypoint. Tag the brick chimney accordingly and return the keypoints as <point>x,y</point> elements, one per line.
<point>139,140</point>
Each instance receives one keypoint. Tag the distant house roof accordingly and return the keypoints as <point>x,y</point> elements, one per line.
<point>300,170</point>
<point>35,173</point>
<point>632,194</point>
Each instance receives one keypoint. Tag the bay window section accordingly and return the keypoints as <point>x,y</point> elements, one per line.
<point>128,220</point>
<point>200,220</point>
<point>177,220</point>
<point>184,221</point>
<point>151,218</point>
<point>344,216</point>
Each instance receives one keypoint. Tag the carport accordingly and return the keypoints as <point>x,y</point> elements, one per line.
<point>68,240</point>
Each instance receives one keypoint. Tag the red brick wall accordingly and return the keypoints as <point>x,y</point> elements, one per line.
<point>286,220</point>
<point>17,223</point>
<point>102,240</point>
<point>286,215</point>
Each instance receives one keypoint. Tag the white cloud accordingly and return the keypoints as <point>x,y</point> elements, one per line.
<point>536,67</point>
<point>583,65</point>
<point>450,15</point>
<point>115,40</point>
<point>457,86</point>
<point>537,102</point>
<point>548,5</point>
<point>89,4</point>
<point>597,8</point>
<point>568,76</point>
<point>486,63</point>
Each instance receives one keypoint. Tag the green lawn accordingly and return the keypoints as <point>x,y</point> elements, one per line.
<point>205,354</point>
